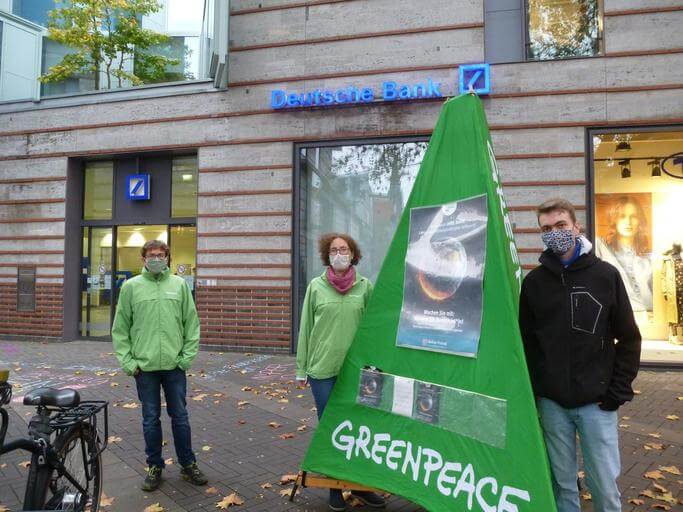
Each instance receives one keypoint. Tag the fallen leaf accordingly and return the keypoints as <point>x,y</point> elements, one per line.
<point>114,439</point>
<point>654,446</point>
<point>132,405</point>
<point>283,401</point>
<point>586,496</point>
<point>206,448</point>
<point>666,497</point>
<point>3,465</point>
<point>647,493</point>
<point>200,397</point>
<point>274,424</point>
<point>624,425</point>
<point>670,469</point>
<point>660,488</point>
<point>164,442</point>
<point>636,501</point>
<point>679,398</point>
<point>169,461</point>
<point>285,479</point>
<point>672,417</point>
<point>154,507</point>
<point>114,384</point>
<point>228,501</point>
<point>288,435</point>
<point>302,428</point>
<point>286,493</point>
<point>246,388</point>
<point>3,509</point>
<point>241,422</point>
<point>243,372</point>
<point>77,372</point>
<point>654,475</point>
<point>218,395</point>
<point>113,374</point>
<point>659,506</point>
<point>299,396</point>
<point>266,485</point>
<point>211,490</point>
<point>636,392</point>
<point>656,435</point>
<point>24,464</point>
<point>105,500</point>
<point>242,403</point>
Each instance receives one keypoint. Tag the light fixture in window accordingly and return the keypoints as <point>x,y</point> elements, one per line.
<point>656,167</point>
<point>625,168</point>
<point>187,177</point>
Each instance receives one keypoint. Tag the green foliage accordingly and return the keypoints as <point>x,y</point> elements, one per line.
<point>104,35</point>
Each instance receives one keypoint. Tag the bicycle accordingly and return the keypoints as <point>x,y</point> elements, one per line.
<point>65,473</point>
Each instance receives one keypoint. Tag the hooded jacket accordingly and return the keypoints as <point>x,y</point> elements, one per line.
<point>580,337</point>
<point>156,326</point>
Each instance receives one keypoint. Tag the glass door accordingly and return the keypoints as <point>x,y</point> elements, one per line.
<point>96,282</point>
<point>129,242</point>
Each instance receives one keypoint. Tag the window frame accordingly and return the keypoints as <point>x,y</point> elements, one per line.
<point>298,253</point>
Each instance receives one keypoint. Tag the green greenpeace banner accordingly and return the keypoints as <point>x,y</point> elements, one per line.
<point>450,426</point>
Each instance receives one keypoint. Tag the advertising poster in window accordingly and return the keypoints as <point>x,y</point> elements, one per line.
<point>444,272</point>
<point>624,239</point>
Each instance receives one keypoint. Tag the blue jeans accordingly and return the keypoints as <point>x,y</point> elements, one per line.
<point>321,389</point>
<point>149,386</point>
<point>599,440</point>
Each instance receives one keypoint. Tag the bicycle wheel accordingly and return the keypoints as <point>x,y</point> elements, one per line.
<point>47,490</point>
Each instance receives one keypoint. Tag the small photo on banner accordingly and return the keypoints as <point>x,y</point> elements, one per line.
<point>444,274</point>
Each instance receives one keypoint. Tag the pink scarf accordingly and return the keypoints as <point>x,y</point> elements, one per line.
<point>343,283</point>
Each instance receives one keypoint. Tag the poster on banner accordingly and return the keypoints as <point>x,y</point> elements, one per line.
<point>444,273</point>
<point>445,432</point>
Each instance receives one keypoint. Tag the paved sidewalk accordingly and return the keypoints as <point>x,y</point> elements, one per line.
<point>241,453</point>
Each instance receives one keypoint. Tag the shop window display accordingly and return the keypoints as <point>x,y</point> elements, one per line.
<point>638,184</point>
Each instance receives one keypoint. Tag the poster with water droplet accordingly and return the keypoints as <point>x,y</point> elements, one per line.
<point>444,274</point>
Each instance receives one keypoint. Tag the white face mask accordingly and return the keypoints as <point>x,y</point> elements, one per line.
<point>340,262</point>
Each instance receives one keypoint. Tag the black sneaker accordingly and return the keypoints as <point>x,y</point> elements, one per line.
<point>153,479</point>
<point>336,502</point>
<point>193,474</point>
<point>370,499</point>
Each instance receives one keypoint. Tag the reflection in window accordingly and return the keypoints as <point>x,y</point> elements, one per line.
<point>33,10</point>
<point>184,187</point>
<point>558,29</point>
<point>359,190</point>
<point>99,190</point>
<point>183,245</point>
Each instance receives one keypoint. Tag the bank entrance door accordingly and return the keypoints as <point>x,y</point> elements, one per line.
<point>111,255</point>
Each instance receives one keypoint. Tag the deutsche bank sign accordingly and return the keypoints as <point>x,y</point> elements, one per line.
<point>137,187</point>
<point>473,78</point>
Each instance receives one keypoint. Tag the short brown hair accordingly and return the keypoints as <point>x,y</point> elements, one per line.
<point>155,244</point>
<point>556,204</point>
<point>327,239</point>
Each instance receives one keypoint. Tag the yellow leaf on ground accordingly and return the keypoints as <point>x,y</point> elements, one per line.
<point>624,425</point>
<point>656,435</point>
<point>241,422</point>
<point>266,485</point>
<point>154,507</point>
<point>3,465</point>
<point>288,435</point>
<point>670,469</point>
<point>672,417</point>
<point>4,509</point>
<point>274,424</point>
<point>25,464</point>
<point>659,506</point>
<point>200,397</point>
<point>285,479</point>
<point>113,374</point>
<point>169,461</point>
<point>302,428</point>
<point>283,401</point>
<point>636,392</point>
<point>647,493</point>
<point>654,475</point>
<point>654,446</point>
<point>218,395</point>
<point>114,384</point>
<point>246,388</point>
<point>100,373</point>
<point>636,501</point>
<point>77,372</point>
<point>211,490</point>
<point>132,405</point>
<point>114,439</point>
<point>106,501</point>
<point>660,488</point>
<point>242,403</point>
<point>286,493</point>
<point>206,448</point>
<point>299,396</point>
<point>228,501</point>
<point>666,497</point>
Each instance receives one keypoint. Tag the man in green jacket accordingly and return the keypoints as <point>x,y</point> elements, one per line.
<point>156,338</point>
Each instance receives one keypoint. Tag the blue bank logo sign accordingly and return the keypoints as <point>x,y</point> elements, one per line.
<point>137,187</point>
<point>476,76</point>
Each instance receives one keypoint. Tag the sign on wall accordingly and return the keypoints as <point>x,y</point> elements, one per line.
<point>137,187</point>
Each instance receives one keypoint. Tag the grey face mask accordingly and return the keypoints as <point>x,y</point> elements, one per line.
<point>558,240</point>
<point>156,266</point>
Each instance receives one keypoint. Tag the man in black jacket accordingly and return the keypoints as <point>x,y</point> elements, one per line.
<point>582,348</point>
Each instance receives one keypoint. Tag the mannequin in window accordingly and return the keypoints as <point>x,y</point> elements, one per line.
<point>625,247</point>
<point>672,288</point>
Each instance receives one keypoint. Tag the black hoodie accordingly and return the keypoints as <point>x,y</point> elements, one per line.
<point>581,341</point>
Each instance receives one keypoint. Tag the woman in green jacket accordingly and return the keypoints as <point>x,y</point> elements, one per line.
<point>332,309</point>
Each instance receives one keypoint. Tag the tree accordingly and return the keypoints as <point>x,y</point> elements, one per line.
<point>104,36</point>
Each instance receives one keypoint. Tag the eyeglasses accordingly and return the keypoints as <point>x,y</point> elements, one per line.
<point>341,250</point>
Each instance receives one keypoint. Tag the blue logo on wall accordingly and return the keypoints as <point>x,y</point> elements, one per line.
<point>475,78</point>
<point>474,75</point>
<point>137,187</point>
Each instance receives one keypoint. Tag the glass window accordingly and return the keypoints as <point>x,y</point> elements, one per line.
<point>33,10</point>
<point>99,190</point>
<point>359,190</point>
<point>638,193</point>
<point>558,29</point>
<point>184,252</point>
<point>184,187</point>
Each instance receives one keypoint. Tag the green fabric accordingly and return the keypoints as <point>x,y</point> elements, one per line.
<point>424,462</point>
<point>156,326</point>
<point>328,322</point>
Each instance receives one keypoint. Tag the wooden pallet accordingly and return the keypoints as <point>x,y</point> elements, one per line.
<point>303,479</point>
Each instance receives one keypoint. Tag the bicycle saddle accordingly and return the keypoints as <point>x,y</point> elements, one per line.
<point>52,397</point>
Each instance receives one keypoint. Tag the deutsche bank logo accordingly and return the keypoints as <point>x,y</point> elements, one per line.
<point>475,78</point>
<point>137,187</point>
